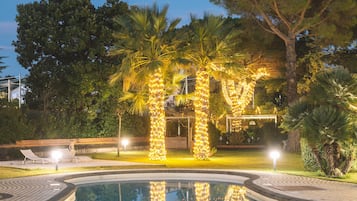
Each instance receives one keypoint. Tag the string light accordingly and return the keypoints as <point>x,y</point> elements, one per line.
<point>156,103</point>
<point>201,148</point>
<point>238,94</point>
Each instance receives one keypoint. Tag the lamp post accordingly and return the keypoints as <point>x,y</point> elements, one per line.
<point>274,154</point>
<point>56,156</point>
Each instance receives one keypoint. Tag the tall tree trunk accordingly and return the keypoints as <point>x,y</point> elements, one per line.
<point>201,147</point>
<point>293,143</point>
<point>291,69</point>
<point>157,117</point>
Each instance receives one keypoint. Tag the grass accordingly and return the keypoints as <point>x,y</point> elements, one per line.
<point>236,159</point>
<point>252,160</point>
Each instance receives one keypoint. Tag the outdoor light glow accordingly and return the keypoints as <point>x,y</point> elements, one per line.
<point>158,191</point>
<point>56,155</point>
<point>125,143</point>
<point>202,191</point>
<point>157,117</point>
<point>201,149</point>
<point>274,154</point>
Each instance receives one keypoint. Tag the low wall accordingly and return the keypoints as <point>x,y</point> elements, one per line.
<point>85,145</point>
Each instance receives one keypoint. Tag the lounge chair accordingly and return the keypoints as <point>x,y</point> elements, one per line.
<point>28,154</point>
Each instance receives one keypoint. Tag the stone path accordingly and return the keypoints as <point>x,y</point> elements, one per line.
<point>307,188</point>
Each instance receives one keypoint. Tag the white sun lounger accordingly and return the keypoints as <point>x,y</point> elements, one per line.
<point>28,154</point>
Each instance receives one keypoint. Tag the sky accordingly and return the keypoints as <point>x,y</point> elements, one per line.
<point>177,9</point>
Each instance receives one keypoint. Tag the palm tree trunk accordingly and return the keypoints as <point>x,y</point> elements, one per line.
<point>328,148</point>
<point>232,92</point>
<point>157,117</point>
<point>201,147</point>
<point>319,159</point>
<point>348,164</point>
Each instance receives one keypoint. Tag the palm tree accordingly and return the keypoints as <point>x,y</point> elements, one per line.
<point>211,47</point>
<point>326,117</point>
<point>147,52</point>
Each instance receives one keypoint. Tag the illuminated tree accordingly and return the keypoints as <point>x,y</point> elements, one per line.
<point>148,52</point>
<point>238,93</point>
<point>236,193</point>
<point>327,21</point>
<point>211,47</point>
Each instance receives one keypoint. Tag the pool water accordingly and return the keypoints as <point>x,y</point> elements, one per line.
<point>168,190</point>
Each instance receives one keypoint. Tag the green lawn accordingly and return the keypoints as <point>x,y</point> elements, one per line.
<point>243,159</point>
<point>237,159</point>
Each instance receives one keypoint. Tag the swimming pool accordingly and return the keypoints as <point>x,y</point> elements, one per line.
<point>161,190</point>
<point>170,185</point>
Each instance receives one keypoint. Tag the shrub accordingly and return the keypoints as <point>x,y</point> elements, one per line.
<point>308,157</point>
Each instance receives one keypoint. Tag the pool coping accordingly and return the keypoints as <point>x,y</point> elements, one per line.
<point>249,183</point>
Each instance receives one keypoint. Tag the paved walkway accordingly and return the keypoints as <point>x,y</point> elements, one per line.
<point>38,188</point>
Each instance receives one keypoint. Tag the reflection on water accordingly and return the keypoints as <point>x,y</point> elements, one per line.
<point>157,190</point>
<point>161,191</point>
<point>202,191</point>
<point>235,192</point>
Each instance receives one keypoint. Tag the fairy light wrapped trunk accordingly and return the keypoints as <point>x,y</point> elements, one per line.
<point>157,117</point>
<point>201,148</point>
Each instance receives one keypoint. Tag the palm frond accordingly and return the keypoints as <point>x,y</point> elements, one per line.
<point>182,99</point>
<point>138,100</point>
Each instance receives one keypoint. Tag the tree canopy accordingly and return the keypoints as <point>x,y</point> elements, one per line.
<point>328,22</point>
<point>148,53</point>
<point>64,46</point>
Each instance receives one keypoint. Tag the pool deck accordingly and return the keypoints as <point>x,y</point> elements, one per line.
<point>282,186</point>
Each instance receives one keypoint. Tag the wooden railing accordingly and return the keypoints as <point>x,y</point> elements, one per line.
<point>241,146</point>
<point>67,142</point>
<point>171,142</point>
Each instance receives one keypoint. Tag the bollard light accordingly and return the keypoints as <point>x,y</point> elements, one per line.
<point>274,154</point>
<point>56,155</point>
<point>125,143</point>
